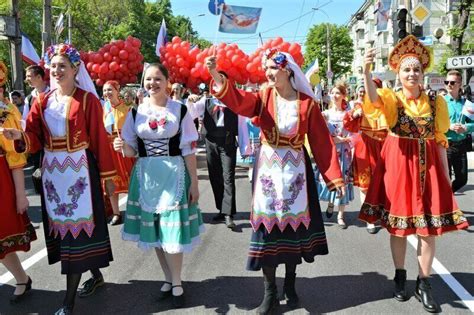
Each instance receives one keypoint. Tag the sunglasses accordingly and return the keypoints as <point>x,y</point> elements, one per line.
<point>450,82</point>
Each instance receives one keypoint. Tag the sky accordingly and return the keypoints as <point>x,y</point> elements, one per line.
<point>274,14</point>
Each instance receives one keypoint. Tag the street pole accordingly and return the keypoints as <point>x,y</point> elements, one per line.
<point>15,49</point>
<point>409,25</point>
<point>46,35</point>
<point>328,49</point>
<point>69,25</point>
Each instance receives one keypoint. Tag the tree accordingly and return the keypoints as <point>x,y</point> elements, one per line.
<point>342,52</point>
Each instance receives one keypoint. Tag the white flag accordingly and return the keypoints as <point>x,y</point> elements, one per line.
<point>161,38</point>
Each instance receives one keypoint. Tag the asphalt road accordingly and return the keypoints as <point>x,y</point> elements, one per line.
<point>355,278</point>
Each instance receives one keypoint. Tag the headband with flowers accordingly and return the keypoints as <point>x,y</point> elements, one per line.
<point>278,57</point>
<point>66,50</point>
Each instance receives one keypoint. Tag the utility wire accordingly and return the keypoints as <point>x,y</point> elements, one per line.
<point>298,25</point>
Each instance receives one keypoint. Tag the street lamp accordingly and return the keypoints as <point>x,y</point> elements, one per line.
<point>187,27</point>
<point>328,46</point>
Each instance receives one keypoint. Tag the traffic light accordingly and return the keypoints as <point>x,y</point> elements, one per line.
<point>417,30</point>
<point>402,23</point>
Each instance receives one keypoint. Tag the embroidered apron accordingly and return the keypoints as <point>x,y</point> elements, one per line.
<point>280,195</point>
<point>68,199</point>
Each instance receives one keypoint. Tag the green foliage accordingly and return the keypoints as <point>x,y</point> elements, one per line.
<point>97,22</point>
<point>342,51</point>
<point>441,66</point>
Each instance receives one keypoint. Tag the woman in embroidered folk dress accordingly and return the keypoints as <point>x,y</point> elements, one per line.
<point>16,231</point>
<point>414,157</point>
<point>162,210</point>
<point>67,123</point>
<point>342,138</point>
<point>115,112</point>
<point>370,129</point>
<point>286,217</point>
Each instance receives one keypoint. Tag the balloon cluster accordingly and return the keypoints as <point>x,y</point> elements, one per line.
<point>118,60</point>
<point>187,65</point>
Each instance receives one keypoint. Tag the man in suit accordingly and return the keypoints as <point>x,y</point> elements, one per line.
<point>220,129</point>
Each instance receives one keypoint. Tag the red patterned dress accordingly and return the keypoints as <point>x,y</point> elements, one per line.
<point>409,191</point>
<point>16,231</point>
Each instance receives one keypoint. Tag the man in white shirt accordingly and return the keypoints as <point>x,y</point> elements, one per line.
<point>35,79</point>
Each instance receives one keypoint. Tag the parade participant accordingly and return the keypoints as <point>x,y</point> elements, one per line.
<point>342,138</point>
<point>220,129</point>
<point>177,92</point>
<point>359,97</point>
<point>115,112</point>
<point>285,215</point>
<point>16,231</point>
<point>370,128</point>
<point>129,96</point>
<point>162,209</point>
<point>35,79</point>
<point>67,124</point>
<point>3,93</point>
<point>17,100</point>
<point>460,127</point>
<point>410,190</point>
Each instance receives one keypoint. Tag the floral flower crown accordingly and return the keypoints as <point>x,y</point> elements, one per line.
<point>277,56</point>
<point>63,50</point>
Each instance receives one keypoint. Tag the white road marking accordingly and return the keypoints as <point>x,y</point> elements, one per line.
<point>447,277</point>
<point>6,277</point>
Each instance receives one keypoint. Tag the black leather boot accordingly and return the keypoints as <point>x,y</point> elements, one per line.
<point>400,294</point>
<point>423,294</point>
<point>289,291</point>
<point>270,299</point>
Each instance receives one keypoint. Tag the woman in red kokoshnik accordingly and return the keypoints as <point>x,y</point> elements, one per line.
<point>285,216</point>
<point>67,124</point>
<point>115,112</point>
<point>410,189</point>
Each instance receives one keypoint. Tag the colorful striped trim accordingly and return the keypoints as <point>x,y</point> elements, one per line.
<point>275,159</point>
<point>75,227</point>
<point>259,249</point>
<point>67,163</point>
<point>85,252</point>
<point>335,183</point>
<point>270,221</point>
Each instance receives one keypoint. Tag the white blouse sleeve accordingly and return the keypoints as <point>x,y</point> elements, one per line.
<point>128,131</point>
<point>196,109</point>
<point>189,136</point>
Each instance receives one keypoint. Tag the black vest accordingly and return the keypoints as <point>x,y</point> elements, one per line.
<point>173,144</point>
<point>230,123</point>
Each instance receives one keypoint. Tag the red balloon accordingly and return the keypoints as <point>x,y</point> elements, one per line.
<point>98,58</point>
<point>107,47</point>
<point>235,60</point>
<point>102,51</point>
<point>132,57</point>
<point>116,59</point>
<point>118,75</point>
<point>294,49</point>
<point>104,67</point>
<point>110,75</point>
<point>129,47</point>
<point>107,56</point>
<point>184,72</point>
<point>120,44</point>
<point>103,76</point>
<point>114,50</point>
<point>96,68</point>
<point>89,66</point>
<point>99,82</point>
<point>195,73</point>
<point>136,42</point>
<point>176,47</point>
<point>180,62</point>
<point>230,53</point>
<point>114,66</point>
<point>123,54</point>
<point>133,78</point>
<point>251,67</point>
<point>172,60</point>
<point>226,64</point>
<point>176,40</point>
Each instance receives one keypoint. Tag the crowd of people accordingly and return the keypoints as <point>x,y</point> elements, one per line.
<point>144,143</point>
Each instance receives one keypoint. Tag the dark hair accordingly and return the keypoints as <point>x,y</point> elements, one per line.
<point>16,93</point>
<point>467,92</point>
<point>160,67</point>
<point>223,73</point>
<point>37,70</point>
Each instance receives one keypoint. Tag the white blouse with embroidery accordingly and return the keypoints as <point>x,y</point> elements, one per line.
<point>287,112</point>
<point>55,117</point>
<point>153,123</point>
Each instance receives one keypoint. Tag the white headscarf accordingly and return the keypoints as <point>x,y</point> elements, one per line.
<point>298,81</point>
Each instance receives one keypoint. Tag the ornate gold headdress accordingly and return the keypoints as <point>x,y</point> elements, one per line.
<point>3,73</point>
<point>410,46</point>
